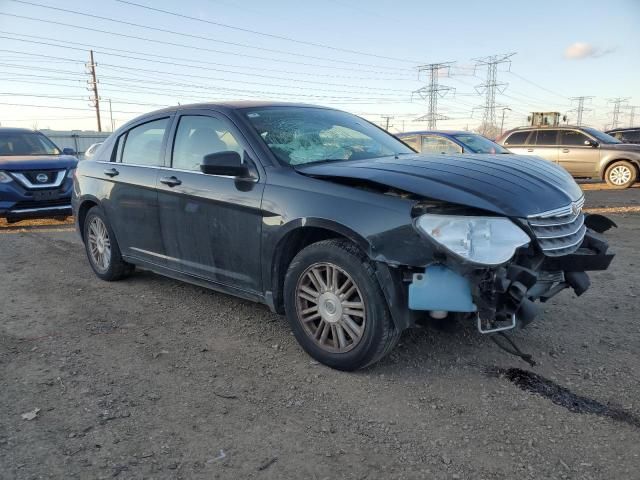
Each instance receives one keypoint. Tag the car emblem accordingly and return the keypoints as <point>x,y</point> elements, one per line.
<point>42,178</point>
<point>575,208</point>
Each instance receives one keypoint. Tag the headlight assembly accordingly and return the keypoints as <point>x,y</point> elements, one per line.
<point>5,178</point>
<point>483,240</point>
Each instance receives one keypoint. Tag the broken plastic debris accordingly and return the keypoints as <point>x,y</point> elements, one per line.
<point>30,415</point>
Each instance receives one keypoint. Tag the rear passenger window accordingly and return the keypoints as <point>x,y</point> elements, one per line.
<point>143,144</point>
<point>435,144</point>
<point>546,137</point>
<point>571,137</point>
<point>632,136</point>
<point>412,141</point>
<point>517,138</point>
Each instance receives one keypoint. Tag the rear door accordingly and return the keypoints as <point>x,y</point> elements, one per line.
<point>131,202</point>
<point>544,143</point>
<point>211,224</point>
<point>580,159</point>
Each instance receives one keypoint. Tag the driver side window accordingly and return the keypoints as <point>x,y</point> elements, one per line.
<point>199,135</point>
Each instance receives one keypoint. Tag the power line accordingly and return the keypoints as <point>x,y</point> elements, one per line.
<point>198,63</point>
<point>270,35</point>
<point>432,90</point>
<point>191,35</point>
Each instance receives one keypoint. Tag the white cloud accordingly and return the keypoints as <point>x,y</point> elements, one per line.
<point>581,50</point>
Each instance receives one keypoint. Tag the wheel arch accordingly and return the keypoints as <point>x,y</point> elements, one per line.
<point>86,204</point>
<point>610,161</point>
<point>300,234</point>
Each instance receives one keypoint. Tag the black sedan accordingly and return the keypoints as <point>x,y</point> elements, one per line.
<point>325,217</point>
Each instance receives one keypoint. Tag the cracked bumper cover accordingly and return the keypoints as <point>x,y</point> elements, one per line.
<point>496,294</point>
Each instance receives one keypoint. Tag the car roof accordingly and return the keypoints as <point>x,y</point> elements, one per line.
<point>625,129</point>
<point>545,127</point>
<point>234,105</point>
<point>15,130</point>
<point>441,132</point>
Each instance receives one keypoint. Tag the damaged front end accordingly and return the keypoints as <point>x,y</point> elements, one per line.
<point>496,269</point>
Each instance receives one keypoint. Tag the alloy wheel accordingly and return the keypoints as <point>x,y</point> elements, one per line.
<point>99,244</point>
<point>330,307</point>
<point>620,175</point>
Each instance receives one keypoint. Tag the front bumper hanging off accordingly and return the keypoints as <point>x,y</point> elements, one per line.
<point>505,297</point>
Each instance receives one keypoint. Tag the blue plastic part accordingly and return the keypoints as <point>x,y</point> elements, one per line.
<point>440,288</point>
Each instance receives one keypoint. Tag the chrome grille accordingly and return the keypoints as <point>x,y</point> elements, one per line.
<point>560,231</point>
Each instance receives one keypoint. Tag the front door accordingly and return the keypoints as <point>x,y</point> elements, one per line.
<point>131,198</point>
<point>211,224</point>
<point>577,154</point>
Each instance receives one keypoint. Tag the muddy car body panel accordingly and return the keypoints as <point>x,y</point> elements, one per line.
<point>240,234</point>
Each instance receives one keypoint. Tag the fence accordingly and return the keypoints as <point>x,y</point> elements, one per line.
<point>78,141</point>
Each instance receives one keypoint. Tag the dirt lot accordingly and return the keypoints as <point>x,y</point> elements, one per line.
<point>151,378</point>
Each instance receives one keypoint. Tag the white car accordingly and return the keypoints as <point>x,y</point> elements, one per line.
<point>91,150</point>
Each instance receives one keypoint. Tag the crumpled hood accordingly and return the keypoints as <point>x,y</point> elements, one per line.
<point>511,185</point>
<point>35,162</point>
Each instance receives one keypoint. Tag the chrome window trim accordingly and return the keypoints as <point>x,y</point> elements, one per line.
<point>60,175</point>
<point>171,169</point>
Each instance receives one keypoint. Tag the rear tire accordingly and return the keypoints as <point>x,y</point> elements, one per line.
<point>335,306</point>
<point>102,248</point>
<point>621,174</point>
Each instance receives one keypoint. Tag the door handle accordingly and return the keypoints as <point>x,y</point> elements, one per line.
<point>565,150</point>
<point>170,181</point>
<point>111,172</point>
<point>529,149</point>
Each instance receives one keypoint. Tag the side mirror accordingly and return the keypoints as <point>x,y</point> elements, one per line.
<point>68,151</point>
<point>591,143</point>
<point>224,163</point>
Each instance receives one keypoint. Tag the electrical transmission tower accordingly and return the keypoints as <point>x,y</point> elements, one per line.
<point>580,110</point>
<point>618,105</point>
<point>432,90</point>
<point>490,87</point>
<point>632,114</point>
<point>93,87</point>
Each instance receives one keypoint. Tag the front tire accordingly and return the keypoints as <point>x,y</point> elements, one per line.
<point>621,174</point>
<point>102,248</point>
<point>335,306</point>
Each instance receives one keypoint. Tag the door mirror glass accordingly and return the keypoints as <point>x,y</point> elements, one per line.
<point>226,163</point>
<point>591,143</point>
<point>68,151</point>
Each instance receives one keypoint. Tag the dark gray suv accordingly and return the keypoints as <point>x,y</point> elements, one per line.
<point>323,216</point>
<point>583,151</point>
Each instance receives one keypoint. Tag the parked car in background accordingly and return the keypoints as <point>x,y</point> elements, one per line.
<point>329,219</point>
<point>626,135</point>
<point>450,141</point>
<point>583,151</point>
<point>35,176</point>
<point>89,152</point>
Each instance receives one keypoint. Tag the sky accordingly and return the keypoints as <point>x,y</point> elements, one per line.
<point>362,57</point>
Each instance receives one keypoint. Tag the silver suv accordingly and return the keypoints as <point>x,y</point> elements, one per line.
<point>584,152</point>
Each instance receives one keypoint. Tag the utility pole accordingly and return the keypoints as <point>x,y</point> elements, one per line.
<point>491,86</point>
<point>618,105</point>
<point>432,90</point>
<point>93,87</point>
<point>111,115</point>
<point>502,122</point>
<point>387,118</point>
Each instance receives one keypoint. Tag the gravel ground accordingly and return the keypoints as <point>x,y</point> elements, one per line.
<point>152,378</point>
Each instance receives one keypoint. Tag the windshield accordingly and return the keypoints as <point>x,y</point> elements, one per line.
<point>601,136</point>
<point>26,143</point>
<point>303,135</point>
<point>479,144</point>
